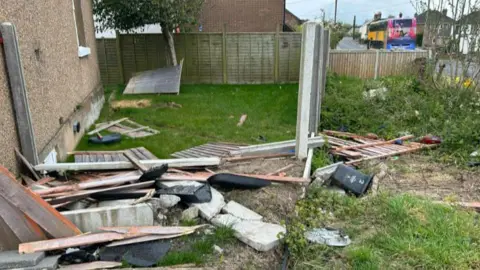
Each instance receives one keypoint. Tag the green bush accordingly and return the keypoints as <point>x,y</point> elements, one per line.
<point>407,106</point>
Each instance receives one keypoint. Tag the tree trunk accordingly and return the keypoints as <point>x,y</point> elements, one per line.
<point>167,35</point>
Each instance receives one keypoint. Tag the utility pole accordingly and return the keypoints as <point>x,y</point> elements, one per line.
<point>335,16</point>
<point>354,21</point>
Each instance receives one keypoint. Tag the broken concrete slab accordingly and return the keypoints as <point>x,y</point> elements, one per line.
<point>321,175</point>
<point>168,184</point>
<point>190,213</point>
<point>209,209</point>
<point>259,235</point>
<point>168,201</point>
<point>240,211</point>
<point>12,259</point>
<point>225,220</point>
<point>89,220</point>
<point>48,263</point>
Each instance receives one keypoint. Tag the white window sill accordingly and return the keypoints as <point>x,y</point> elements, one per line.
<point>83,51</point>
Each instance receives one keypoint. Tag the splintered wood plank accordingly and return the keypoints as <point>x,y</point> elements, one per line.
<point>23,228</point>
<point>27,164</point>
<point>66,242</point>
<point>139,154</point>
<point>105,126</point>
<point>35,207</point>
<point>147,153</point>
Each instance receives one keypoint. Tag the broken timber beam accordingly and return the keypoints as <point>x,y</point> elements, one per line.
<point>35,207</point>
<point>120,165</point>
<point>395,153</point>
<point>404,138</point>
<point>107,125</point>
<point>276,147</point>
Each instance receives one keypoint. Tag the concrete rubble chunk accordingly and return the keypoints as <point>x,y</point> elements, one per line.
<point>48,263</point>
<point>225,220</point>
<point>89,220</point>
<point>12,259</point>
<point>190,213</point>
<point>209,209</point>
<point>258,235</point>
<point>168,184</point>
<point>168,201</point>
<point>240,211</point>
<point>321,175</point>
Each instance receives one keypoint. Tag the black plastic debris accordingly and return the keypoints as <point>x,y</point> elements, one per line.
<point>141,254</point>
<point>154,173</point>
<point>189,194</point>
<point>233,181</point>
<point>107,139</point>
<point>76,257</point>
<point>351,180</point>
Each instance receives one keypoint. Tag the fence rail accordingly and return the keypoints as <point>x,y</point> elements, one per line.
<point>237,58</point>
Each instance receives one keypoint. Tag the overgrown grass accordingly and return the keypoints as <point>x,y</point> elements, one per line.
<point>387,232</point>
<point>209,113</point>
<point>198,250</point>
<point>408,106</point>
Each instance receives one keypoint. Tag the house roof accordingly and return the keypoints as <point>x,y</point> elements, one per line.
<point>472,18</point>
<point>434,16</point>
<point>300,21</point>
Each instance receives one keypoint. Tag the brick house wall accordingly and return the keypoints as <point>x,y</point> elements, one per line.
<point>60,85</point>
<point>242,15</point>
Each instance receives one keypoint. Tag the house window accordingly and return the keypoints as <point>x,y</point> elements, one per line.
<point>83,49</point>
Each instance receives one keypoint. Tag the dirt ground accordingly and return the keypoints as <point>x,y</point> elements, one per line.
<point>423,176</point>
<point>274,203</point>
<point>137,103</point>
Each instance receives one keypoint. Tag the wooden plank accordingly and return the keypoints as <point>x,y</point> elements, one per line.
<point>23,228</point>
<point>138,154</point>
<point>67,242</point>
<point>18,90</point>
<point>107,157</point>
<point>101,182</point>
<point>283,169</point>
<point>83,194</point>
<point>147,153</point>
<point>105,126</point>
<point>129,154</point>
<point>174,163</point>
<point>92,265</point>
<point>35,207</point>
<point>8,240</point>
<point>27,164</point>
<point>147,238</point>
<point>236,159</point>
<point>149,230</point>
<point>392,154</point>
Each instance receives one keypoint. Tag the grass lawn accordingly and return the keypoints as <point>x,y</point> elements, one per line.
<point>209,113</point>
<point>387,231</point>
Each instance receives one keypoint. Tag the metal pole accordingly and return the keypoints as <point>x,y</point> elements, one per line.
<point>335,16</point>
<point>354,20</point>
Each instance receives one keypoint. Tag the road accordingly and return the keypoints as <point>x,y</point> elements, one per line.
<point>347,43</point>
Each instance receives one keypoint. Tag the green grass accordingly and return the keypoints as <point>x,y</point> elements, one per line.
<point>387,232</point>
<point>199,250</point>
<point>210,113</point>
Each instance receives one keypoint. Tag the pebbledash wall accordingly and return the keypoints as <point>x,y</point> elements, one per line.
<point>62,88</point>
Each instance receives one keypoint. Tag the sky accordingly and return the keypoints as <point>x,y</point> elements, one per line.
<point>363,9</point>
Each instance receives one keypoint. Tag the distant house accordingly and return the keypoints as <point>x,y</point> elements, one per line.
<point>57,48</point>
<point>292,22</point>
<point>436,27</point>
<point>469,33</point>
<point>242,15</point>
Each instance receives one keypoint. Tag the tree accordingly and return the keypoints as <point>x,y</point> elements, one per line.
<point>125,15</point>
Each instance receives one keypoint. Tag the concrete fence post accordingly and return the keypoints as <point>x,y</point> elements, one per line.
<point>19,92</point>
<point>306,86</point>
<point>377,58</point>
<point>276,71</point>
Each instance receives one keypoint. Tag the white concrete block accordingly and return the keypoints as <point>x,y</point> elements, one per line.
<point>168,201</point>
<point>240,211</point>
<point>259,235</point>
<point>225,220</point>
<point>210,209</point>
<point>111,203</point>
<point>90,220</point>
<point>168,184</point>
<point>190,213</point>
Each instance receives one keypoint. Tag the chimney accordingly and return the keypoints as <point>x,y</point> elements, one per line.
<point>444,12</point>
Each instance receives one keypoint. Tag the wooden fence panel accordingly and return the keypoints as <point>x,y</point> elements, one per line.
<point>249,58</point>
<point>290,53</point>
